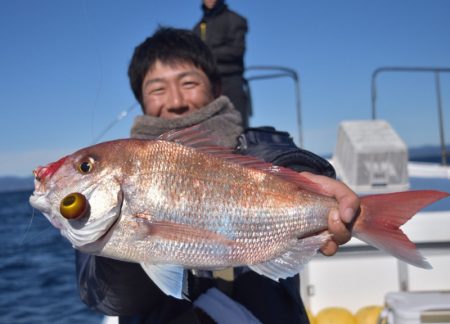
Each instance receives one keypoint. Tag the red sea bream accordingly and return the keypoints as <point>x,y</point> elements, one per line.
<point>180,202</point>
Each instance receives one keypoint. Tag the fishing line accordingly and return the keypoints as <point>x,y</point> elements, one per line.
<point>99,62</point>
<point>28,228</point>
<point>49,227</point>
<point>118,118</point>
<point>24,240</point>
<point>121,114</point>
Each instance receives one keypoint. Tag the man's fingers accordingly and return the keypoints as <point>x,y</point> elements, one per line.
<point>329,248</point>
<point>348,207</point>
<point>337,228</point>
<point>342,217</point>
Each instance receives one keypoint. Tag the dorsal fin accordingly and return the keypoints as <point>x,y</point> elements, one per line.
<point>203,141</point>
<point>193,136</point>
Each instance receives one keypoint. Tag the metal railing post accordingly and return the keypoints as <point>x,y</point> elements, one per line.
<point>441,118</point>
<point>436,71</point>
<point>283,72</point>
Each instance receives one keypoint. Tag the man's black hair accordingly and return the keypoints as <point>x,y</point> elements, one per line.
<point>171,46</point>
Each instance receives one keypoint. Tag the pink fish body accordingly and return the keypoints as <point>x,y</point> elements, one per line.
<point>181,202</point>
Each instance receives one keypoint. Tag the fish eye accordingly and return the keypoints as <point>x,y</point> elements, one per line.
<point>86,166</point>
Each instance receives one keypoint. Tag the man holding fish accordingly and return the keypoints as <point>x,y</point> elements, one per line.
<point>175,79</point>
<point>154,217</point>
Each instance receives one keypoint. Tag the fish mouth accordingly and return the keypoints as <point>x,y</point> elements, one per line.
<point>38,200</point>
<point>35,196</point>
<point>39,188</point>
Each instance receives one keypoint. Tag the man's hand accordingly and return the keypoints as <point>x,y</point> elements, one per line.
<point>337,219</point>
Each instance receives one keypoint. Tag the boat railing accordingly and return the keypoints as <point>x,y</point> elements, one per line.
<point>436,71</point>
<point>261,72</point>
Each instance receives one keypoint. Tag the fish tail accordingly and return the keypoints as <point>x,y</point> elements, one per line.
<point>381,217</point>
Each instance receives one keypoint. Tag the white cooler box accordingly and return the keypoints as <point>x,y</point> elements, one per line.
<point>417,308</point>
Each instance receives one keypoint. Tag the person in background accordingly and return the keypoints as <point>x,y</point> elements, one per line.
<point>224,32</point>
<point>174,77</point>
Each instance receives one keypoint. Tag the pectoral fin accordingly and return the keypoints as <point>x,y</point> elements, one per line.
<point>180,232</point>
<point>171,279</point>
<point>293,261</point>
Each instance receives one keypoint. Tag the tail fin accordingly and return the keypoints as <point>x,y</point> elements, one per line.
<point>382,215</point>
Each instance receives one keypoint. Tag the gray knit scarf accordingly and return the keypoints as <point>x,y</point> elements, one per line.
<point>219,117</point>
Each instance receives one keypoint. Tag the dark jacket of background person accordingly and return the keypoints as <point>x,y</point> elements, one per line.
<point>121,288</point>
<point>224,31</point>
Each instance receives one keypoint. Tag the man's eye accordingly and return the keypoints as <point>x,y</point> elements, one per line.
<point>156,91</point>
<point>189,84</point>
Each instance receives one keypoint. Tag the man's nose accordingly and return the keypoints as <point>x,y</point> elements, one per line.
<point>176,98</point>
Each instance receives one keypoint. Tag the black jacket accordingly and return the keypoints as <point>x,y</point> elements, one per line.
<point>120,288</point>
<point>224,32</point>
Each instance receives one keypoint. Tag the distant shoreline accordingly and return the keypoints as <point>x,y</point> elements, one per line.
<point>15,184</point>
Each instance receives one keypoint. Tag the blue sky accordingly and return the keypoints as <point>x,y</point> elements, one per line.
<point>63,68</point>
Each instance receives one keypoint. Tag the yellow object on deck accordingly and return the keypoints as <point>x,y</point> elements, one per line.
<point>311,318</point>
<point>335,315</point>
<point>368,314</point>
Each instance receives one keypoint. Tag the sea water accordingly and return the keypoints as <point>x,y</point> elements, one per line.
<point>37,269</point>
